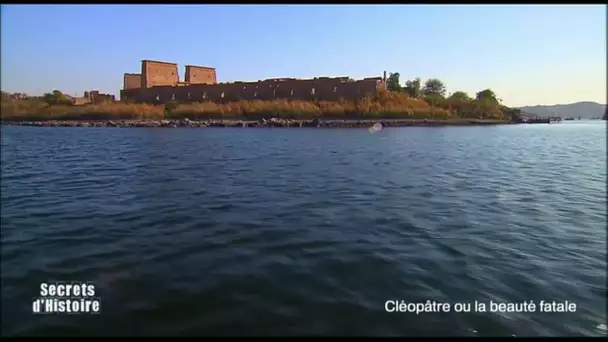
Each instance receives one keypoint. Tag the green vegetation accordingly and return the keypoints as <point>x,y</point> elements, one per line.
<point>392,82</point>
<point>414,101</point>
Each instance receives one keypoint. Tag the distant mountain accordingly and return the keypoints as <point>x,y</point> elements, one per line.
<point>586,110</point>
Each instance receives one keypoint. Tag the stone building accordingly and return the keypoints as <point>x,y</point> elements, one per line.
<point>159,83</point>
<point>91,97</point>
<point>95,97</point>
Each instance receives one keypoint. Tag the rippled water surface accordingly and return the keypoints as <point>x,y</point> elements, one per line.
<point>306,231</point>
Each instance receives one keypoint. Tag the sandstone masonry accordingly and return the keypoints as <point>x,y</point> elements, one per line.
<point>159,83</point>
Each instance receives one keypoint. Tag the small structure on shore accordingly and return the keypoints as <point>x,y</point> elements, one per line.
<point>91,97</point>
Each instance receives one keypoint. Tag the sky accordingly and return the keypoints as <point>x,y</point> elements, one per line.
<point>527,54</point>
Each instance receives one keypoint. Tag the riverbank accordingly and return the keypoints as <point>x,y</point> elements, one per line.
<point>393,105</point>
<point>272,122</point>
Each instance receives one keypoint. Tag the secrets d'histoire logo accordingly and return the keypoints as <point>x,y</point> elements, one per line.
<point>72,298</point>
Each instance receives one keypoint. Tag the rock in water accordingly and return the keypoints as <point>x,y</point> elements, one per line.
<point>377,127</point>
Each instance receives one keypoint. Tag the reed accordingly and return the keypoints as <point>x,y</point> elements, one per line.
<point>385,105</point>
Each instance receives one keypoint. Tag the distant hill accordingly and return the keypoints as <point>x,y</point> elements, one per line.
<point>586,110</point>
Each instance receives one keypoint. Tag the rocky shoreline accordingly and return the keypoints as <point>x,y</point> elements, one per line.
<point>271,122</point>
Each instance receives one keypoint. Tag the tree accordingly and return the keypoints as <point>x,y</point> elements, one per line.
<point>412,88</point>
<point>433,99</point>
<point>487,95</point>
<point>512,114</point>
<point>392,83</point>
<point>434,86</point>
<point>56,98</point>
<point>460,95</point>
<point>61,98</point>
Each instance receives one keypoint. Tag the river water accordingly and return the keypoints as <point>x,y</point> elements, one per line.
<point>306,231</point>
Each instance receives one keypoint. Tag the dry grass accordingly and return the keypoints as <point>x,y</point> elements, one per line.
<point>386,105</point>
<point>108,111</point>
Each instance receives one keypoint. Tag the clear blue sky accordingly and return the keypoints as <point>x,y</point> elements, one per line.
<point>528,54</point>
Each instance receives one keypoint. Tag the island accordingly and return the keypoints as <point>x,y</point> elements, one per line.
<point>390,108</point>
<point>200,101</point>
